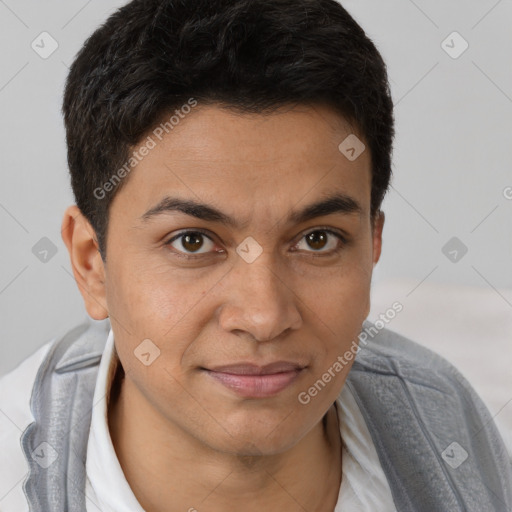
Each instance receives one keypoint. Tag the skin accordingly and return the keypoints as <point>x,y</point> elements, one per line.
<point>184,440</point>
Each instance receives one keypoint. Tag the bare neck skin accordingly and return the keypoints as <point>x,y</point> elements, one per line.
<point>165,467</point>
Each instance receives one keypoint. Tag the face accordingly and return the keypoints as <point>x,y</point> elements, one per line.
<point>251,297</point>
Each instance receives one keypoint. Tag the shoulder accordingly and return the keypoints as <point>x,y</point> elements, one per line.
<point>65,350</point>
<point>76,347</point>
<point>387,362</point>
<point>402,377</point>
<point>386,352</point>
<point>15,416</point>
<point>428,424</point>
<point>16,386</point>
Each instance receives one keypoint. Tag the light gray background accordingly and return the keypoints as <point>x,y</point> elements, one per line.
<point>452,159</point>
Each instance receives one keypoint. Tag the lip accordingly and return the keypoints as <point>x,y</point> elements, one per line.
<point>253,381</point>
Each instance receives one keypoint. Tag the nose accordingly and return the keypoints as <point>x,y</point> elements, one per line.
<point>258,301</point>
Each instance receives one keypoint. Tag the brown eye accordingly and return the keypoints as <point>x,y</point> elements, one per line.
<point>317,240</point>
<point>324,241</point>
<point>191,242</point>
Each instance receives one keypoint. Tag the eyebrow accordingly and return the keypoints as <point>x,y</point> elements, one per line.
<point>337,203</point>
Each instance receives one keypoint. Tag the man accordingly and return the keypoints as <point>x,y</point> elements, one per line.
<point>229,161</point>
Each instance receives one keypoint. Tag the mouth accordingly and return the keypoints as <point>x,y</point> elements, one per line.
<point>253,381</point>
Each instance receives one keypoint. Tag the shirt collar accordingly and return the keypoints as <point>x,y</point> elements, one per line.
<point>104,472</point>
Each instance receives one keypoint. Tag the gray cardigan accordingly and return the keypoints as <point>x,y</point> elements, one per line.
<point>435,439</point>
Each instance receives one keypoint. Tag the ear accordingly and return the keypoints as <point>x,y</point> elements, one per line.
<point>88,269</point>
<point>377,228</point>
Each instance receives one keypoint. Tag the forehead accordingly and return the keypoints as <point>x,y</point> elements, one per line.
<point>285,134</point>
<point>250,160</point>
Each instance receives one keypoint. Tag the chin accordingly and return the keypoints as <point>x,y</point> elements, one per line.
<point>254,443</point>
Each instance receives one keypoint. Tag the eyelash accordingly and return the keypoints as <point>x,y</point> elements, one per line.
<point>314,254</point>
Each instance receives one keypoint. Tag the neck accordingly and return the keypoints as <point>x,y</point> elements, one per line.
<point>164,464</point>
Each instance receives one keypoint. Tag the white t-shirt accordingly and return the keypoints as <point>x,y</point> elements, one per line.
<point>364,487</point>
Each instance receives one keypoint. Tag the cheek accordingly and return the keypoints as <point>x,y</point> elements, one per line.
<point>341,297</point>
<point>147,305</point>
<point>338,307</point>
<point>145,295</point>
